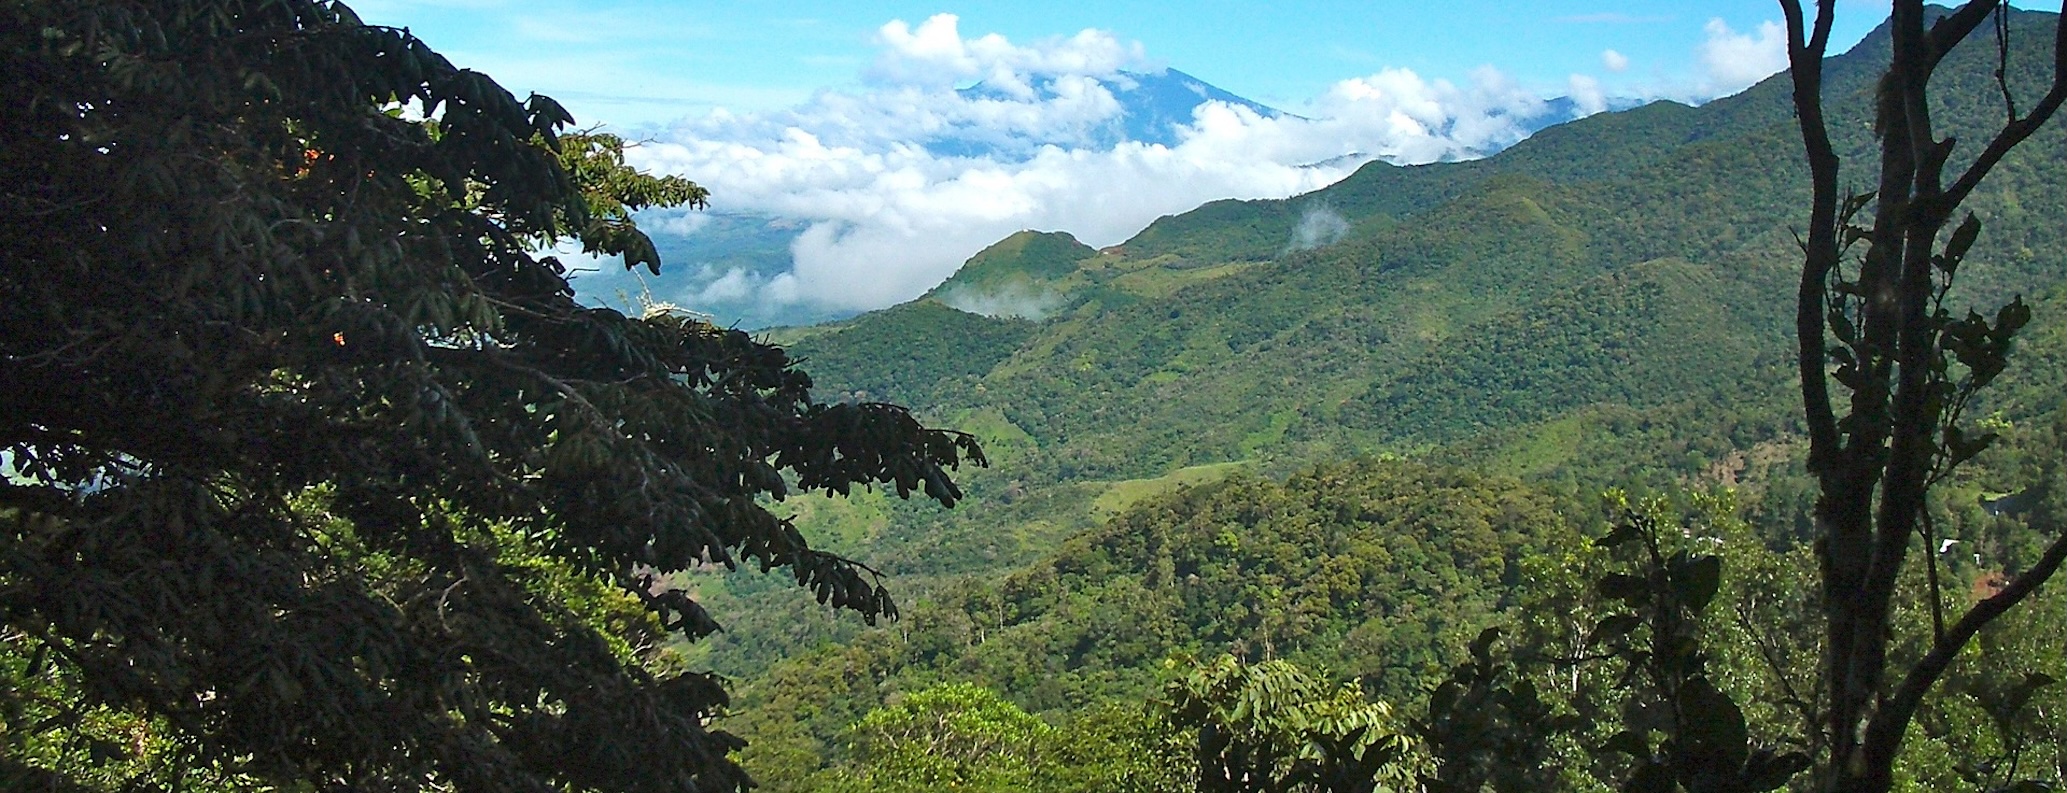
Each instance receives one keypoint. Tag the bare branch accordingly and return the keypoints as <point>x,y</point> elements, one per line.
<point>1954,28</point>
<point>2016,131</point>
<point>1915,57</point>
<point>1885,732</point>
<point>1769,652</point>
<point>2002,65</point>
<point>1820,251</point>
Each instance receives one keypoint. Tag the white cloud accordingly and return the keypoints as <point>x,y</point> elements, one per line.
<point>1319,225</point>
<point>675,222</point>
<point>890,218</point>
<point>1015,300</point>
<point>736,283</point>
<point>1732,61</point>
<point>935,53</point>
<point>1587,94</point>
<point>1614,61</point>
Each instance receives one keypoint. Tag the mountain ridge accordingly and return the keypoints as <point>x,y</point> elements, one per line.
<point>722,263</point>
<point>1209,337</point>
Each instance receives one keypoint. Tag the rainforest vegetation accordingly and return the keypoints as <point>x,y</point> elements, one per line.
<point>1633,457</point>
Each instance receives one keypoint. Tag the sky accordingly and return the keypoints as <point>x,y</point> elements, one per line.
<point>632,61</point>
<point>817,111</point>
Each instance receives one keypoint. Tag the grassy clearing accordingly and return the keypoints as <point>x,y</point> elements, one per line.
<point>1118,496</point>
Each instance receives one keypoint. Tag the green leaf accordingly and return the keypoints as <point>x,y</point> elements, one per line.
<point>1616,537</point>
<point>2019,695</point>
<point>1695,581</point>
<point>1629,742</point>
<point>1713,732</point>
<point>2011,318</point>
<point>1841,326</point>
<point>1482,646</point>
<point>1623,587</point>
<point>1962,240</point>
<point>1613,627</point>
<point>1651,777</point>
<point>1765,771</point>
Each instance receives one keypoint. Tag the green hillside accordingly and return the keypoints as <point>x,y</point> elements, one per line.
<point>1028,260</point>
<point>1370,570</point>
<point>918,354</point>
<point>1362,565</point>
<point>1628,337</point>
<point>1474,296</point>
<point>1608,303</point>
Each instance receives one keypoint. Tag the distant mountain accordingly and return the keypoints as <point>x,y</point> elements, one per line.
<point>1631,269</point>
<point>1607,303</point>
<point>1153,107</point>
<point>721,265</point>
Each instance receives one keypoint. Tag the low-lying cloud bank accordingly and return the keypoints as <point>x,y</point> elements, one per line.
<point>889,217</point>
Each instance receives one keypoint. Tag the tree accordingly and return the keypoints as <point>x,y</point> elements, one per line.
<point>293,414</point>
<point>1877,324</point>
<point>952,736</point>
<point>1272,728</point>
<point>1656,634</point>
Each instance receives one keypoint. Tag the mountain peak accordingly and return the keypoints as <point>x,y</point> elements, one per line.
<point>1019,276</point>
<point>1149,107</point>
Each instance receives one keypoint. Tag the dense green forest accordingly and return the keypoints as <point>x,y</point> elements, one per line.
<point>1607,304</point>
<point>1603,304</point>
<point>1512,487</point>
<point>1377,573</point>
<point>316,474</point>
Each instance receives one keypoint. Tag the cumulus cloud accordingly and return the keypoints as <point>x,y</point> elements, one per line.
<point>936,53</point>
<point>1614,61</point>
<point>1732,61</point>
<point>736,283</point>
<point>889,215</point>
<point>1587,94</point>
<point>675,222</point>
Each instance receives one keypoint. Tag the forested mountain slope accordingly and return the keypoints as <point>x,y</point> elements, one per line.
<point>1660,235</point>
<point>1491,343</point>
<point>1608,301</point>
<point>1374,572</point>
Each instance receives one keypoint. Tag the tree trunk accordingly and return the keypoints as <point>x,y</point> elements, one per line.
<point>1874,467</point>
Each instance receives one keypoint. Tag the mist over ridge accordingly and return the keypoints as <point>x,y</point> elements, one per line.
<point>862,198</point>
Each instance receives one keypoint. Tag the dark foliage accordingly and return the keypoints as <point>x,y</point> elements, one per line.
<point>237,273</point>
<point>1875,320</point>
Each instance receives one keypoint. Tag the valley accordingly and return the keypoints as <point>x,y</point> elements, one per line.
<point>1493,342</point>
<point>1677,406</point>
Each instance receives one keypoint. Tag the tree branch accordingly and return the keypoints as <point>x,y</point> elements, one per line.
<point>1953,28</point>
<point>1803,706</point>
<point>2015,132</point>
<point>1820,252</point>
<point>1884,734</point>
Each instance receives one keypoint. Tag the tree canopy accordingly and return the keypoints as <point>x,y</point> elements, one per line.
<point>293,412</point>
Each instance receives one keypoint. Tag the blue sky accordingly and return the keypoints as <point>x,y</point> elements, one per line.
<point>633,61</point>
<point>820,113</point>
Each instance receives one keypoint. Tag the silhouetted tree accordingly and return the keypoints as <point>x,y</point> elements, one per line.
<point>1876,322</point>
